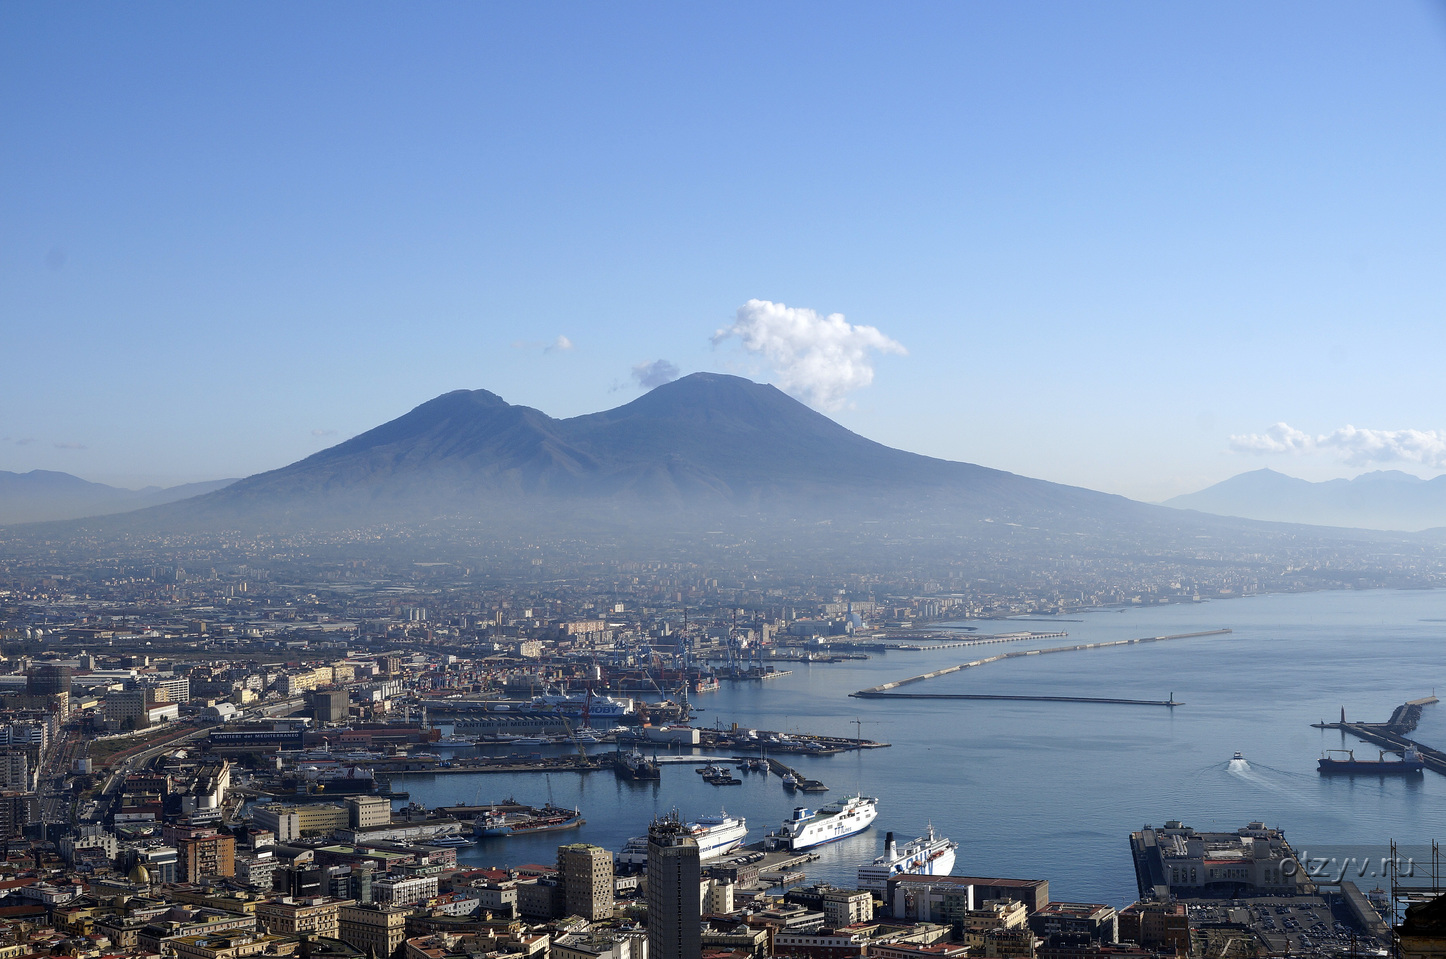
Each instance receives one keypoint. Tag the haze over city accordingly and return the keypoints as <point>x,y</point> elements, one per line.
<point>997,447</point>
<point>1129,247</point>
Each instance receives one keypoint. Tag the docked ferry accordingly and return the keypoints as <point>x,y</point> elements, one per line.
<point>575,704</point>
<point>715,836</point>
<point>808,827</point>
<point>929,855</point>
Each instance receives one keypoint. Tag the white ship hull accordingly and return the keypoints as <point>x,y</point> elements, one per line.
<point>715,836</point>
<point>929,855</point>
<point>599,707</point>
<point>808,828</point>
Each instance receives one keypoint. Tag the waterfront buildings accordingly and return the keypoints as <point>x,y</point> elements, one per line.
<point>1177,861</point>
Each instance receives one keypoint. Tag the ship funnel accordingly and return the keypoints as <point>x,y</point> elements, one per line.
<point>891,851</point>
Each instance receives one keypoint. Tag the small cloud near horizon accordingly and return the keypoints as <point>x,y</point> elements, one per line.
<point>656,373</point>
<point>1349,444</point>
<point>820,359</point>
<point>70,446</point>
<point>321,433</point>
<point>560,345</point>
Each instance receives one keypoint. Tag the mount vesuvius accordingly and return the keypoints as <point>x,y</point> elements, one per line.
<point>704,447</point>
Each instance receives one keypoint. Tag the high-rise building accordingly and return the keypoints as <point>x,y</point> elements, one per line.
<point>47,679</point>
<point>17,810</point>
<point>14,770</point>
<point>126,708</point>
<point>213,855</point>
<point>674,887</point>
<point>328,705</point>
<point>586,875</point>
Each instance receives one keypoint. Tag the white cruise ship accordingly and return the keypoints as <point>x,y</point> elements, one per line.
<point>929,855</point>
<point>715,835</point>
<point>835,821</point>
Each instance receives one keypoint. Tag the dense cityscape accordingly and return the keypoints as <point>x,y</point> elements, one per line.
<point>750,480</point>
<point>207,757</point>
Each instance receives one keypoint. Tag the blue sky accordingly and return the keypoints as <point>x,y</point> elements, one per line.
<point>1106,244</point>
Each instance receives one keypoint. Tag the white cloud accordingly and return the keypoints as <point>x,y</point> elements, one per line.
<point>820,359</point>
<point>1280,438</point>
<point>1352,445</point>
<point>656,373</point>
<point>560,345</point>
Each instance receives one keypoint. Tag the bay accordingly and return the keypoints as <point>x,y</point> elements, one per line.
<point>1052,790</point>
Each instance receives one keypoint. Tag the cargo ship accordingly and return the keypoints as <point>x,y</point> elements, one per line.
<point>929,855</point>
<point>1343,762</point>
<point>548,818</point>
<point>715,836</point>
<point>808,827</point>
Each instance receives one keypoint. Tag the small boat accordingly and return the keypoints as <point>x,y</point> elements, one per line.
<point>450,842</point>
<point>790,782</point>
<point>1237,756</point>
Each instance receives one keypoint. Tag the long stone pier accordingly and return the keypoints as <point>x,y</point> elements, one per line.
<point>883,688</point>
<point>1171,702</point>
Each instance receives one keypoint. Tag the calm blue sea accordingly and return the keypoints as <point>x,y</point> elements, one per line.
<point>1052,790</point>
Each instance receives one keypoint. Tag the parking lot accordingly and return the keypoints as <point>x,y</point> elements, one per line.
<point>1297,926</point>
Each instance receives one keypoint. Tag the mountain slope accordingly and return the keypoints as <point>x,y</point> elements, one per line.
<point>704,446</point>
<point>1384,500</point>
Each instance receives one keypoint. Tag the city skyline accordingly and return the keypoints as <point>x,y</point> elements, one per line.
<point>1135,249</point>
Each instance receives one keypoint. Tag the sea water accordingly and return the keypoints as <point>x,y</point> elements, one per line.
<point>1040,790</point>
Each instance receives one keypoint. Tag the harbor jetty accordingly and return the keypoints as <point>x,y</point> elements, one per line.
<point>1171,702</point>
<point>1391,735</point>
<point>882,690</point>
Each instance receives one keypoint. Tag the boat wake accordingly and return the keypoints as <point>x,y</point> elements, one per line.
<point>1278,781</point>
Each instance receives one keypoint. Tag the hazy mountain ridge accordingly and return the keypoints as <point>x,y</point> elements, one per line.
<point>707,445</point>
<point>45,495</point>
<point>1383,500</point>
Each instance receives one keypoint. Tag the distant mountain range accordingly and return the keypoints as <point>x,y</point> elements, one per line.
<point>41,495</point>
<point>1383,500</point>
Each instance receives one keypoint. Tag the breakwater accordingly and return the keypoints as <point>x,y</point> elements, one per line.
<point>883,688</point>
<point>1171,702</point>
